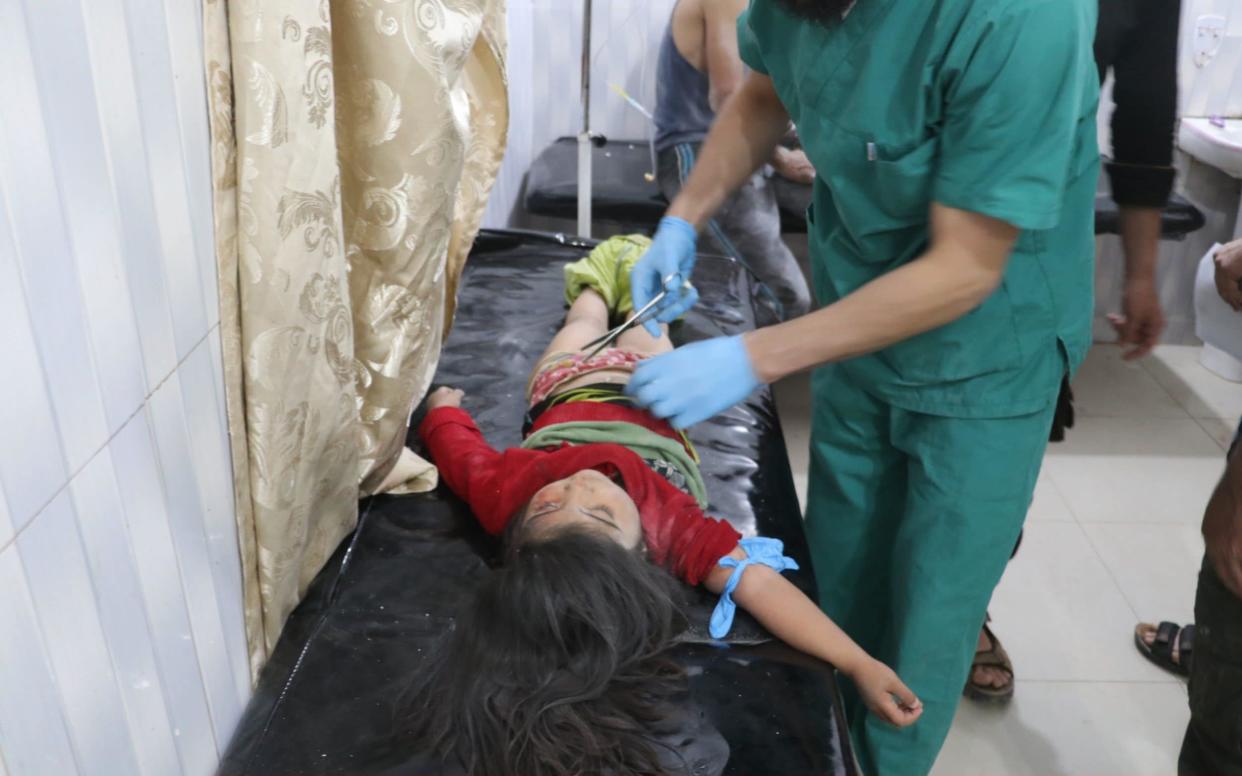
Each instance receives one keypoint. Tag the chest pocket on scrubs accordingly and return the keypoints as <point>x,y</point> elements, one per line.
<point>886,204</point>
<point>881,191</point>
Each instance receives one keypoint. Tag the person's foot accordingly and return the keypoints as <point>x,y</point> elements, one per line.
<point>1168,645</point>
<point>988,675</point>
<point>991,676</point>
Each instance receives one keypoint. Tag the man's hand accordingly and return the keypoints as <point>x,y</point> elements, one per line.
<point>1229,274</point>
<point>792,164</point>
<point>445,396</point>
<point>1141,322</point>
<point>1222,526</point>
<point>695,381</point>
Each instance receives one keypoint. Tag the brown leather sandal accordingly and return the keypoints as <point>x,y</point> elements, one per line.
<point>994,657</point>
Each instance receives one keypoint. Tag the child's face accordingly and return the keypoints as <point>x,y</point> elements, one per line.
<point>587,499</point>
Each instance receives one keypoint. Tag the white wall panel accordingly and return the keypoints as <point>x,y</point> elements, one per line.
<point>122,644</point>
<point>44,256</point>
<point>31,465</point>
<point>545,43</point>
<point>166,413</point>
<point>60,586</point>
<point>208,449</point>
<point>114,81</point>
<point>75,142</point>
<point>6,522</point>
<point>127,632</point>
<point>157,103</point>
<point>139,478</point>
<point>184,24</point>
<point>32,731</point>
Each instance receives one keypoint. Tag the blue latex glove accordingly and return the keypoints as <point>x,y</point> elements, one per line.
<point>671,256</point>
<point>695,381</point>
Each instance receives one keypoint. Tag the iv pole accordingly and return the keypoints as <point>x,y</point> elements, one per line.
<point>584,137</point>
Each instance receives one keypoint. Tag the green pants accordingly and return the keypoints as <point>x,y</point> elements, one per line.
<point>911,519</point>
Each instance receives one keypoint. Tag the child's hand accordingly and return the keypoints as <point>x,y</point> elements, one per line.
<point>877,683</point>
<point>445,396</point>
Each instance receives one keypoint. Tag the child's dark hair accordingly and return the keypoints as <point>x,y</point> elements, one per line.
<point>556,665</point>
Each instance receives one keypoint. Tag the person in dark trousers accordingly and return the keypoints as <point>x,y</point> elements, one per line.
<point>1210,651</point>
<point>1137,41</point>
<point>1213,742</point>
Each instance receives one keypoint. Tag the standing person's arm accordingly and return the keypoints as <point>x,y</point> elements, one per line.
<point>725,71</point>
<point>746,131</point>
<point>1141,172</point>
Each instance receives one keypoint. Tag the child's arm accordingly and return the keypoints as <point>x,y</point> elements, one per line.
<point>793,618</point>
<point>468,465</point>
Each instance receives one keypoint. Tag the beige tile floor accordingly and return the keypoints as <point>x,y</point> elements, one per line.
<point>1112,537</point>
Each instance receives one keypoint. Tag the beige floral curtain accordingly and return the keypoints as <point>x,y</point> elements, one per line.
<point>354,143</point>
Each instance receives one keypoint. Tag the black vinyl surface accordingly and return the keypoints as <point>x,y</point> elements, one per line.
<point>621,193</point>
<point>1179,219</point>
<point>325,701</point>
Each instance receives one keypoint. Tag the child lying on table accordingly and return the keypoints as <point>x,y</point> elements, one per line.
<point>557,664</point>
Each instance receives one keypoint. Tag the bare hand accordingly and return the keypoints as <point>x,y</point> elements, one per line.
<point>1141,322</point>
<point>886,695</point>
<point>445,396</point>
<point>794,165</point>
<point>1229,274</point>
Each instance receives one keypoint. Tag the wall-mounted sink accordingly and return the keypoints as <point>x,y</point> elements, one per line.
<point>1213,144</point>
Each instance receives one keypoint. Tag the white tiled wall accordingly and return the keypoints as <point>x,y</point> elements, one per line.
<point>122,648</point>
<point>544,64</point>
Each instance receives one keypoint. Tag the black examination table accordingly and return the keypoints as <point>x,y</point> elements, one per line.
<point>620,192</point>
<point>324,702</point>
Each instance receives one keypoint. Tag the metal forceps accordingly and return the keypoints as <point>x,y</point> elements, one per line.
<point>596,345</point>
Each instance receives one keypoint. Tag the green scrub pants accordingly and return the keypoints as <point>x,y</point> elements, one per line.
<point>911,519</point>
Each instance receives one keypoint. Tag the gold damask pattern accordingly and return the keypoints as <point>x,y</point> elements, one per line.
<point>354,143</point>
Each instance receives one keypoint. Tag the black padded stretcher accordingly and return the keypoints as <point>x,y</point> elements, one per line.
<point>620,192</point>
<point>324,702</point>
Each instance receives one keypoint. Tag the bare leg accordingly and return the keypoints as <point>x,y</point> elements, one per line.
<point>587,320</point>
<point>639,341</point>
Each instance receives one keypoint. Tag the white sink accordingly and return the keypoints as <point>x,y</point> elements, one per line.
<point>1219,147</point>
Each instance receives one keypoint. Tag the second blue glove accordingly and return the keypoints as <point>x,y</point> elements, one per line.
<point>695,381</point>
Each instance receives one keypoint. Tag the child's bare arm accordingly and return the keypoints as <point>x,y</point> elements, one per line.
<point>793,618</point>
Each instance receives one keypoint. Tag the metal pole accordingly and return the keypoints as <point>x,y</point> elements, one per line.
<point>584,137</point>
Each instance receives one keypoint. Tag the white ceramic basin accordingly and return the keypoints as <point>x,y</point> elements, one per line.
<point>1220,147</point>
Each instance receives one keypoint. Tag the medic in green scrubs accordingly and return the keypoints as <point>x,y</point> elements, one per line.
<point>952,253</point>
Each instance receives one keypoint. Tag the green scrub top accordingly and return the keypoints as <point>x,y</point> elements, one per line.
<point>982,105</point>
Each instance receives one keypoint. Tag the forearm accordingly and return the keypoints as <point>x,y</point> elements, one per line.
<point>745,132</point>
<point>791,617</point>
<point>917,297</point>
<point>1140,238</point>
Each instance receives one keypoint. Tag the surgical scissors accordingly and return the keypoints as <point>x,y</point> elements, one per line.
<point>598,344</point>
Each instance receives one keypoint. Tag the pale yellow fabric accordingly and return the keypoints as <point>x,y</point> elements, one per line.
<point>411,474</point>
<point>354,144</point>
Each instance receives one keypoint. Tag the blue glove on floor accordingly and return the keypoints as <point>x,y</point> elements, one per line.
<point>695,381</point>
<point>671,254</point>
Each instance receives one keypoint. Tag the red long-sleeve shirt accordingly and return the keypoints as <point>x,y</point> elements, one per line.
<point>496,485</point>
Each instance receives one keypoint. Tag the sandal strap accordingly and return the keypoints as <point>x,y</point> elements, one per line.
<point>995,656</point>
<point>1185,642</point>
<point>1165,633</point>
